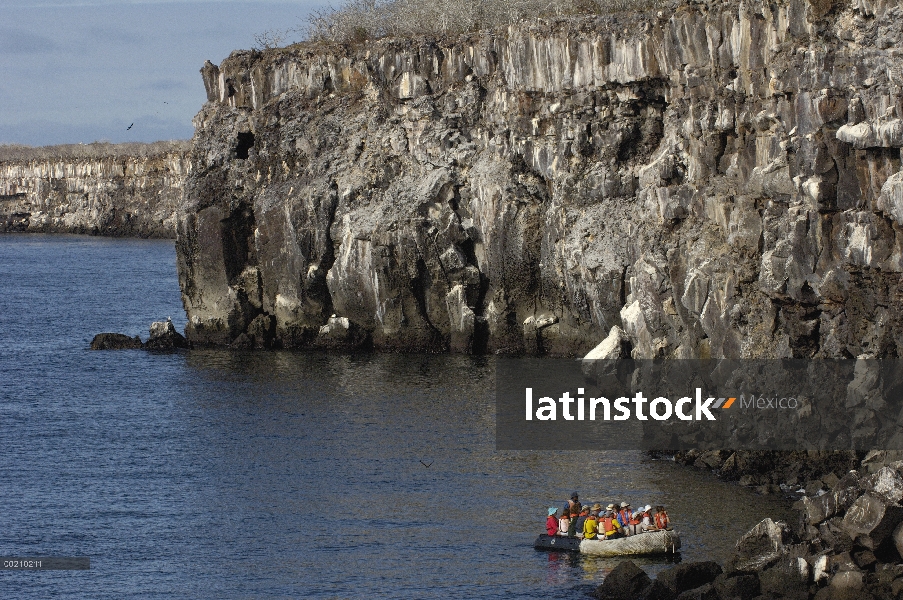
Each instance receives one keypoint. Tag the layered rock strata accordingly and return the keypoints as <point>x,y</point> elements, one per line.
<point>107,190</point>
<point>714,179</point>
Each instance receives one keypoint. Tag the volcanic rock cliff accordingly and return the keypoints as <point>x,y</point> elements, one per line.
<point>102,189</point>
<point>716,179</point>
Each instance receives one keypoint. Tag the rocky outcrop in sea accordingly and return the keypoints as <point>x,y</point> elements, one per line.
<point>100,189</point>
<point>163,337</point>
<point>716,179</point>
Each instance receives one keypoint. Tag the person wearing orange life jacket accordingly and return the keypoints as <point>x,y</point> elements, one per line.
<point>609,524</point>
<point>661,518</point>
<point>573,505</point>
<point>644,519</point>
<point>635,522</point>
<point>624,517</point>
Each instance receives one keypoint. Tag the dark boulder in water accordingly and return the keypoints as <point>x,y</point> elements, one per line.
<point>115,341</point>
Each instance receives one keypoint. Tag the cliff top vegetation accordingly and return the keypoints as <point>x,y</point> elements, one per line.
<point>18,152</point>
<point>360,20</point>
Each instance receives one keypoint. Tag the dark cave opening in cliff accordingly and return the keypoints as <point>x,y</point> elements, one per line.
<point>244,145</point>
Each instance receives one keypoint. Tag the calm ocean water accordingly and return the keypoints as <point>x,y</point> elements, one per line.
<point>215,474</point>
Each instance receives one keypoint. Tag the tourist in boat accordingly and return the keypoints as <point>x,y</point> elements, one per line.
<point>645,522</point>
<point>572,526</point>
<point>634,522</point>
<point>577,524</point>
<point>564,521</point>
<point>609,524</point>
<point>552,521</point>
<point>573,505</point>
<point>661,518</point>
<point>591,526</point>
<point>624,516</point>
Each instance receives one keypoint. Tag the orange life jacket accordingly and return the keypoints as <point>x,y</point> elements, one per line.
<point>661,520</point>
<point>636,519</point>
<point>609,525</point>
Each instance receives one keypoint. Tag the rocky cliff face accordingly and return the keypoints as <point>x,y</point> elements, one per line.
<point>108,191</point>
<point>716,179</point>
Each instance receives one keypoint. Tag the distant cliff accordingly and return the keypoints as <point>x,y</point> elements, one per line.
<point>716,179</point>
<point>102,189</point>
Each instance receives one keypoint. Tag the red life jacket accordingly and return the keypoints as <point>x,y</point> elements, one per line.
<point>661,520</point>
<point>608,525</point>
<point>636,518</point>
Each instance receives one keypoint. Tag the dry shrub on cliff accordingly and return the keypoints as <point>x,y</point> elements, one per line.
<point>358,20</point>
<point>18,152</point>
<point>273,38</point>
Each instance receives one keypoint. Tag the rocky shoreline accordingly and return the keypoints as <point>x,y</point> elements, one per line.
<point>118,190</point>
<point>846,544</point>
<point>792,474</point>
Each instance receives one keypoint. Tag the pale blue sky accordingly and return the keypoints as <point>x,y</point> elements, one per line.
<point>83,70</point>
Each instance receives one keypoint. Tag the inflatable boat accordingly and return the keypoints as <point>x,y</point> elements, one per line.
<point>661,541</point>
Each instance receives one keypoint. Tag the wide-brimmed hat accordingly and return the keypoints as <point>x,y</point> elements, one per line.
<point>597,506</point>
<point>609,507</point>
<point>552,510</point>
<point>625,504</point>
<point>647,508</point>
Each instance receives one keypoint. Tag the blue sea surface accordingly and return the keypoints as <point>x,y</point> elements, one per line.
<point>221,474</point>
